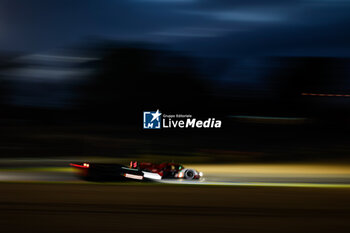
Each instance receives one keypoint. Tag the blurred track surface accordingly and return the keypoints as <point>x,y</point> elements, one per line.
<point>34,207</point>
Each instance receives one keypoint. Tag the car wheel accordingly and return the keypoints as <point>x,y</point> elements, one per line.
<point>189,174</point>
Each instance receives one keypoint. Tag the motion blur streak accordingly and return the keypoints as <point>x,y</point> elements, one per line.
<point>337,95</point>
<point>293,175</point>
<point>257,184</point>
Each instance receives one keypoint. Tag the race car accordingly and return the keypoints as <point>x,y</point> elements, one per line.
<point>168,170</point>
<point>135,171</point>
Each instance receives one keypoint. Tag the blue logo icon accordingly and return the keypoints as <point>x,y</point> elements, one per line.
<point>151,120</point>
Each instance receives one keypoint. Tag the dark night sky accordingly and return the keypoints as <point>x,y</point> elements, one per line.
<point>223,27</point>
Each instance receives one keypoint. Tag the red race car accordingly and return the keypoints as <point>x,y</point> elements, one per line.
<point>135,171</point>
<point>167,170</point>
